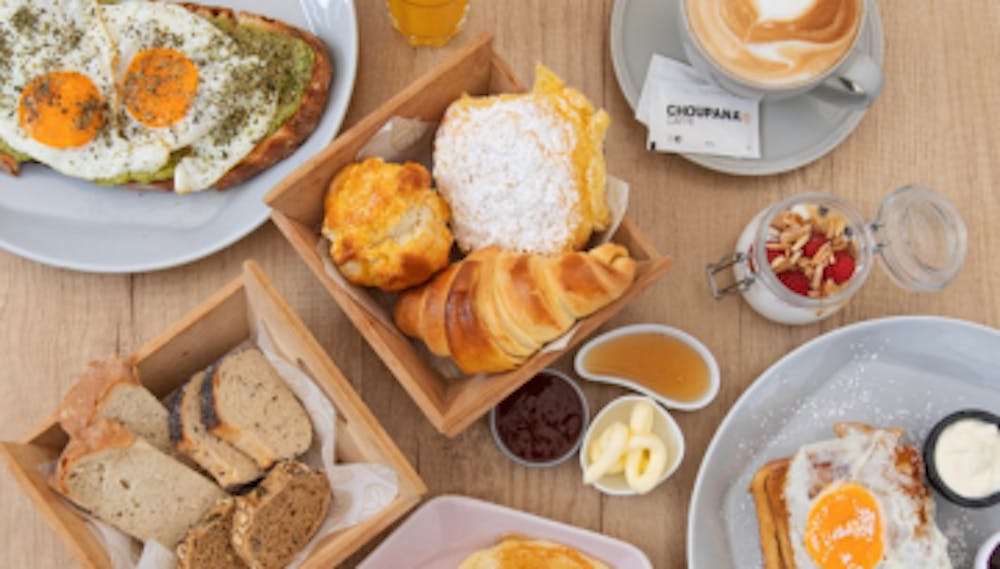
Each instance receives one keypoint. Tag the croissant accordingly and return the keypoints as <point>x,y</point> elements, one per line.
<point>494,309</point>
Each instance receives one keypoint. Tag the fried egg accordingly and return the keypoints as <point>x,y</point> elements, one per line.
<point>175,70</point>
<point>859,502</point>
<point>58,97</point>
<point>186,84</point>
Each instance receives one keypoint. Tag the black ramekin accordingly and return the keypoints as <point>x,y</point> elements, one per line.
<point>932,474</point>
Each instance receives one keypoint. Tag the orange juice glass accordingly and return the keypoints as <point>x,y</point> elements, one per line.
<point>428,22</point>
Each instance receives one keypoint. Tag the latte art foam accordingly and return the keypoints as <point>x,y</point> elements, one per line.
<point>775,42</point>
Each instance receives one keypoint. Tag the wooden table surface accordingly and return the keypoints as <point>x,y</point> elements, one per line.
<point>937,124</point>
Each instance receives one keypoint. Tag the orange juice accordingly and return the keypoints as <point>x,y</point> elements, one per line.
<point>428,22</point>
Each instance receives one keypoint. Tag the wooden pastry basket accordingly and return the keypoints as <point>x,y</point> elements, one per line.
<point>209,331</point>
<point>451,404</point>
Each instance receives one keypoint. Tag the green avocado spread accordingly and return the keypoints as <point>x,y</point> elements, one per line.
<point>287,65</point>
<point>17,156</point>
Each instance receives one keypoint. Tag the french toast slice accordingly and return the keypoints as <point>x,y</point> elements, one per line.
<point>286,136</point>
<point>767,488</point>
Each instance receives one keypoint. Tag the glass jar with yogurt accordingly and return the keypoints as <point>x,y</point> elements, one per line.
<point>802,259</point>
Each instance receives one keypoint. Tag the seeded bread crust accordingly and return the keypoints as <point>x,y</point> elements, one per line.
<point>298,127</point>
<point>209,544</point>
<point>275,521</point>
<point>289,136</point>
<point>232,469</point>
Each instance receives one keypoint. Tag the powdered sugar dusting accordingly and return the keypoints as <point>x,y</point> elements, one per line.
<point>875,379</point>
<point>506,170</point>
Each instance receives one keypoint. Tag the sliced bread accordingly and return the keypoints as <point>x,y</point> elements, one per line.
<point>209,544</point>
<point>232,469</point>
<point>276,520</point>
<point>123,480</point>
<point>110,389</point>
<point>247,404</point>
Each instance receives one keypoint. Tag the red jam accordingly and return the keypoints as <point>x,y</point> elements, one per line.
<point>542,421</point>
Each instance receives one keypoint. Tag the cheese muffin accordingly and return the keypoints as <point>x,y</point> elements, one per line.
<point>524,172</point>
<point>387,227</point>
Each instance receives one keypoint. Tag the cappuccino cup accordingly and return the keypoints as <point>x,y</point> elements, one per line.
<point>778,49</point>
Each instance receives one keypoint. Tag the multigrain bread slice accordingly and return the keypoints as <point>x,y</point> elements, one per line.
<point>208,545</point>
<point>110,389</point>
<point>308,102</point>
<point>232,469</point>
<point>767,488</point>
<point>247,404</point>
<point>276,520</point>
<point>123,480</point>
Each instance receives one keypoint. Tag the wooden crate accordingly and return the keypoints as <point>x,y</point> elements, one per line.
<point>450,404</point>
<point>209,331</point>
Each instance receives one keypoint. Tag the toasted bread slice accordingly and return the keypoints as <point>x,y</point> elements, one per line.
<point>289,135</point>
<point>767,488</point>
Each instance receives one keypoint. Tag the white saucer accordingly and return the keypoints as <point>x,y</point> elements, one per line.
<point>793,133</point>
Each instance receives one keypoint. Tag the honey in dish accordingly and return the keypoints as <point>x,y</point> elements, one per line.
<point>660,363</point>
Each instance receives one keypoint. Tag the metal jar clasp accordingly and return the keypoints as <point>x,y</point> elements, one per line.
<point>723,264</point>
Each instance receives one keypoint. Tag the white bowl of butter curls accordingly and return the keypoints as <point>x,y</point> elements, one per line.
<point>631,447</point>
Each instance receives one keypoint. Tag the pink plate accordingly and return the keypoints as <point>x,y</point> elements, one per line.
<point>447,529</point>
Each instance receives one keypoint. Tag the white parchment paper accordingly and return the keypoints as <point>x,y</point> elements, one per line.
<point>360,490</point>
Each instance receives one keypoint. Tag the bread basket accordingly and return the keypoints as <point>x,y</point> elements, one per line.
<point>450,404</point>
<point>213,328</point>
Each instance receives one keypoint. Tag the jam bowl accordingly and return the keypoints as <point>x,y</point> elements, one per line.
<point>802,259</point>
<point>933,453</point>
<point>542,423</point>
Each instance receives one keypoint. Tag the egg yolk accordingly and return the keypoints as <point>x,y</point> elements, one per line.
<point>844,529</point>
<point>62,109</point>
<point>160,86</point>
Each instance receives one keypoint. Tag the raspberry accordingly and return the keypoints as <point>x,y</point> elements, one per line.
<point>813,245</point>
<point>841,269</point>
<point>795,281</point>
<point>773,254</point>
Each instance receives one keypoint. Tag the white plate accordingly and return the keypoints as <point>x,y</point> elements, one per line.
<point>73,224</point>
<point>906,372</point>
<point>447,529</point>
<point>793,132</point>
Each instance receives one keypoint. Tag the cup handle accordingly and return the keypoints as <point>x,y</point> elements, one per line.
<point>856,85</point>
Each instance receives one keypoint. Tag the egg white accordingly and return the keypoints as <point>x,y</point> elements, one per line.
<point>867,459</point>
<point>67,35</point>
<point>138,26</point>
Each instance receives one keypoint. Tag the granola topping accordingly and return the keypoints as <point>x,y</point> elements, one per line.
<point>811,250</point>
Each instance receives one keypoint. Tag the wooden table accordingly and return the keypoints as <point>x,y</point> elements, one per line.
<point>937,123</point>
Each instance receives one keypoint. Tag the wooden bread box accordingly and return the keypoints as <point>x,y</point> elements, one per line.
<point>451,404</point>
<point>200,338</point>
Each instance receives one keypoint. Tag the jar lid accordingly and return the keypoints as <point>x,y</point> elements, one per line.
<point>922,238</point>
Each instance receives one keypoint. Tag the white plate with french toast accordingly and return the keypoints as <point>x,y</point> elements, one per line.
<point>899,375</point>
<point>256,88</point>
